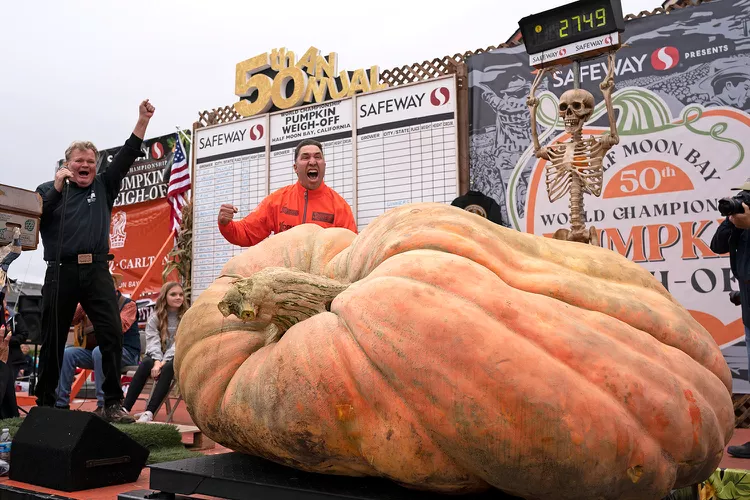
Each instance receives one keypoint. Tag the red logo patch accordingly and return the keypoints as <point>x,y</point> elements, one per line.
<point>157,151</point>
<point>256,132</point>
<point>440,96</point>
<point>665,58</point>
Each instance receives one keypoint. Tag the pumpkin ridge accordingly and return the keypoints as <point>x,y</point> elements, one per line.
<point>299,333</point>
<point>494,239</point>
<point>605,334</point>
<point>542,349</point>
<point>675,327</point>
<point>480,254</point>
<point>590,313</point>
<point>660,362</point>
<point>463,461</point>
<point>599,314</point>
<point>405,404</point>
<point>214,378</point>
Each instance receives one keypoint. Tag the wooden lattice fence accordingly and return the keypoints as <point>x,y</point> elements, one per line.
<point>742,410</point>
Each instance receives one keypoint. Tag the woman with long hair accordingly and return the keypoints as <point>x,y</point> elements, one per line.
<point>157,363</point>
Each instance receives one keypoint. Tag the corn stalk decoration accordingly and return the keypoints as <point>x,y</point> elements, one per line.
<point>181,256</point>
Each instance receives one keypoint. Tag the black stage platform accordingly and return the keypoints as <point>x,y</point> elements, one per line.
<point>237,476</point>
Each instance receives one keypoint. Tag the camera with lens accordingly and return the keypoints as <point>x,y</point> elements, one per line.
<point>733,205</point>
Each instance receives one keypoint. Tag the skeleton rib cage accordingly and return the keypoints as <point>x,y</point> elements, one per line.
<point>580,159</point>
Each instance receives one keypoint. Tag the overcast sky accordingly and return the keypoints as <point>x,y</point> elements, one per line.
<point>74,70</point>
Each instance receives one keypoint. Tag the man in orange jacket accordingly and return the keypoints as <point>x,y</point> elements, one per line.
<point>307,201</point>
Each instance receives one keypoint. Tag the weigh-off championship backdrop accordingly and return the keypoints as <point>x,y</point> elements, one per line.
<point>683,105</point>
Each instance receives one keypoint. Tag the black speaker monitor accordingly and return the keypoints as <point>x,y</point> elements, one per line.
<point>72,451</point>
<point>29,317</point>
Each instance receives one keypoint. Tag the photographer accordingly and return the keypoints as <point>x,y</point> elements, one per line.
<point>733,237</point>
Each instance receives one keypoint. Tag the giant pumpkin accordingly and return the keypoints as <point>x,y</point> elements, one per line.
<point>450,354</point>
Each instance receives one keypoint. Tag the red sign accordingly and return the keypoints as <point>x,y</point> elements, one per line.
<point>136,235</point>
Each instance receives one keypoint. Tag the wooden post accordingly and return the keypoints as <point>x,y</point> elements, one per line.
<point>462,128</point>
<point>196,126</point>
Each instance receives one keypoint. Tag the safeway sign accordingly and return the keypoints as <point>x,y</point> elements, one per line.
<point>567,52</point>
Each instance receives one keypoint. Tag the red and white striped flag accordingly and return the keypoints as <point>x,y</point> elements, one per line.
<point>179,184</point>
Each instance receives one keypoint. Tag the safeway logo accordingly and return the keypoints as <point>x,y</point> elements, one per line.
<point>440,96</point>
<point>157,151</point>
<point>665,58</point>
<point>563,51</point>
<point>256,132</point>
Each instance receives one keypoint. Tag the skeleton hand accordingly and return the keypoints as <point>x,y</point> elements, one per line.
<point>543,153</point>
<point>609,81</point>
<point>532,102</point>
<point>608,141</point>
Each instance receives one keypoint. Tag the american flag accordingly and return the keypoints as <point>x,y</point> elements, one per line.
<point>179,184</point>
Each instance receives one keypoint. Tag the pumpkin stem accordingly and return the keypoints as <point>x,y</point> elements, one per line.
<point>280,296</point>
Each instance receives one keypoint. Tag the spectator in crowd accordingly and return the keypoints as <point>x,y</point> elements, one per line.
<point>8,406</point>
<point>161,329</point>
<point>27,367</point>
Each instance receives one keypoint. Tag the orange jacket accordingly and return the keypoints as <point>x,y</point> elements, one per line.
<point>288,207</point>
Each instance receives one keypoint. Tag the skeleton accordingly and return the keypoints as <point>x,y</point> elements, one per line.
<point>575,166</point>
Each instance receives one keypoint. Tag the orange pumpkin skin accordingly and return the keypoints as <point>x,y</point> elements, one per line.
<point>464,355</point>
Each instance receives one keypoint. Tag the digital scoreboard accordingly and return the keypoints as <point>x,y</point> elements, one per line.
<point>577,30</point>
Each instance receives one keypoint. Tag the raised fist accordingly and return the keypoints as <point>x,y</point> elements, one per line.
<point>146,110</point>
<point>226,213</point>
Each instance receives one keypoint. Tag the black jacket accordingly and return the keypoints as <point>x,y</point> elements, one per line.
<point>729,238</point>
<point>87,210</point>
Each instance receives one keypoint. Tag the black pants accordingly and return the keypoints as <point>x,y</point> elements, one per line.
<point>8,404</point>
<point>139,381</point>
<point>90,285</point>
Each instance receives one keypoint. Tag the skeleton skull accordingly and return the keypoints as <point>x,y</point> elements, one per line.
<point>576,107</point>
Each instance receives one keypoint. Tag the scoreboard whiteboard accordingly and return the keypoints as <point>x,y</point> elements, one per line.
<point>382,149</point>
<point>230,167</point>
<point>406,148</point>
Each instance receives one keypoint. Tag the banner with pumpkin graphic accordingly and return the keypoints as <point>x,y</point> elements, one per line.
<point>683,115</point>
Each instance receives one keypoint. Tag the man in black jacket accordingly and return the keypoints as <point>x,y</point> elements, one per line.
<point>76,212</point>
<point>733,237</point>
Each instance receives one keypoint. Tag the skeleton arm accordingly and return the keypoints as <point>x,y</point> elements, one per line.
<point>533,103</point>
<point>607,86</point>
